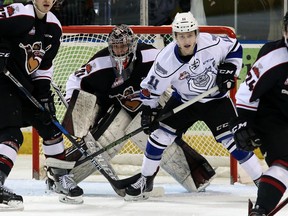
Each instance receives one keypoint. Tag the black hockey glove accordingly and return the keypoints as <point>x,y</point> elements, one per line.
<point>244,136</point>
<point>147,119</point>
<point>50,111</point>
<point>225,79</point>
<point>4,55</point>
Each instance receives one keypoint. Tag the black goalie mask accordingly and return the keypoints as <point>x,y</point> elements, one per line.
<point>122,47</point>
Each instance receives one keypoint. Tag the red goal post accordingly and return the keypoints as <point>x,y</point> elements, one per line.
<point>74,51</point>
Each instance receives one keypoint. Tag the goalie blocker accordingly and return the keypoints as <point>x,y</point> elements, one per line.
<point>182,162</point>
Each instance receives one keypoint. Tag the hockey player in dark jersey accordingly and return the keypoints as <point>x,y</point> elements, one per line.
<point>262,106</point>
<point>192,64</point>
<point>114,75</point>
<point>30,38</point>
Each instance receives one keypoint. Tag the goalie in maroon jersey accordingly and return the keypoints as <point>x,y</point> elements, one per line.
<point>29,41</point>
<point>262,106</point>
<point>114,74</point>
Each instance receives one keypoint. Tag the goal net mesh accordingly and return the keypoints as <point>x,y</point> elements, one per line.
<point>78,45</point>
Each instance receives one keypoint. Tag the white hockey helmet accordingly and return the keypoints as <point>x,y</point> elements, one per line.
<point>185,22</point>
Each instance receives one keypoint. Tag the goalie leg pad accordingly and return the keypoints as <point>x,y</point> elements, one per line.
<point>113,132</point>
<point>81,113</point>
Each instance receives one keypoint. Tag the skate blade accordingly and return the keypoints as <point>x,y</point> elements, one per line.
<point>71,200</point>
<point>12,206</point>
<point>143,196</point>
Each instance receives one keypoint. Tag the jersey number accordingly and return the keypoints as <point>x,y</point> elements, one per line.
<point>153,82</point>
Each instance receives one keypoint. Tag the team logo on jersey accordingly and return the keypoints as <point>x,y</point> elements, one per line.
<point>183,75</point>
<point>8,12</point>
<point>202,81</point>
<point>118,81</point>
<point>88,68</point>
<point>34,55</point>
<point>145,93</point>
<point>48,35</point>
<point>130,99</point>
<point>256,71</point>
<point>194,65</point>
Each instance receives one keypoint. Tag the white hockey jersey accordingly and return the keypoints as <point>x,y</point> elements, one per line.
<point>196,76</point>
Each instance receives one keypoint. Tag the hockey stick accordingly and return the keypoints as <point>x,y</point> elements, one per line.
<point>278,207</point>
<point>273,211</point>
<point>118,185</point>
<point>60,95</point>
<point>161,118</point>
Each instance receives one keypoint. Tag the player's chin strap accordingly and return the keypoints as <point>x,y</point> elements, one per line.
<point>118,185</point>
<point>161,118</point>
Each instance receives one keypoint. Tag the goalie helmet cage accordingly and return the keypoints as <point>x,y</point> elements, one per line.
<point>80,43</point>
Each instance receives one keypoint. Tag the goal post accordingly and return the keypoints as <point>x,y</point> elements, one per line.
<point>80,43</point>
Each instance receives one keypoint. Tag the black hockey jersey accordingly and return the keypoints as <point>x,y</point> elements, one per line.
<point>33,44</point>
<point>265,89</point>
<point>98,77</point>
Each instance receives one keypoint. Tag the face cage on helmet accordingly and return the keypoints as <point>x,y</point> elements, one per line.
<point>132,44</point>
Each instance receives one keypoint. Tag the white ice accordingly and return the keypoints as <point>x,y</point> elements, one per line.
<point>220,199</point>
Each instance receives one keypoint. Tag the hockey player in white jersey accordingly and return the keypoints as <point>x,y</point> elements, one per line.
<point>193,63</point>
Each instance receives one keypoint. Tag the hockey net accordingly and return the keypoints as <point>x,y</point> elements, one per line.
<point>80,43</point>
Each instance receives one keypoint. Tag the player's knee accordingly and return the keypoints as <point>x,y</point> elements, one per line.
<point>162,138</point>
<point>279,171</point>
<point>11,135</point>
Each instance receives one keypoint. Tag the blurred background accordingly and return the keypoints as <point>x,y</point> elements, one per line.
<point>251,19</point>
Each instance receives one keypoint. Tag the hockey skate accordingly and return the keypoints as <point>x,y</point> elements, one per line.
<point>257,212</point>
<point>141,189</point>
<point>59,181</point>
<point>10,201</point>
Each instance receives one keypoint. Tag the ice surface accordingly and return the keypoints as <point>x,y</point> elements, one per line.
<point>220,199</point>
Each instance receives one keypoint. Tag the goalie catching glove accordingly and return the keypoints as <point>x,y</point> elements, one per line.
<point>148,116</point>
<point>225,79</point>
<point>244,136</point>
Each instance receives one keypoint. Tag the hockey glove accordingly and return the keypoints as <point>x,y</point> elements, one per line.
<point>244,136</point>
<point>4,55</point>
<point>50,111</point>
<point>147,119</point>
<point>225,79</point>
